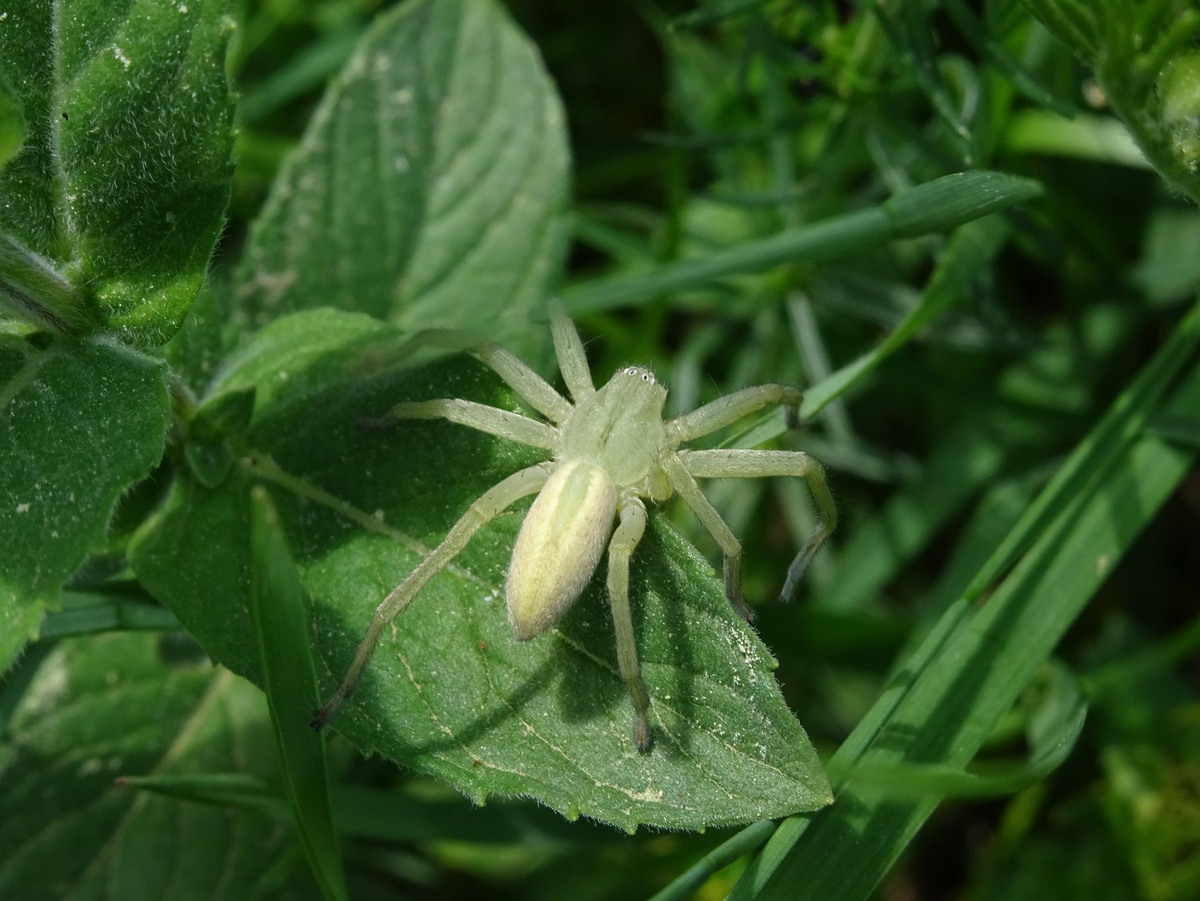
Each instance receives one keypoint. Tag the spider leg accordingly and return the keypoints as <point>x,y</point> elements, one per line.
<point>626,537</point>
<point>729,409</point>
<point>741,464</point>
<point>492,420</point>
<point>685,486</point>
<point>572,360</point>
<point>528,385</point>
<point>492,502</point>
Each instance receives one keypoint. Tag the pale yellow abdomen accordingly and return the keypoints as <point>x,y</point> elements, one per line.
<point>559,545</point>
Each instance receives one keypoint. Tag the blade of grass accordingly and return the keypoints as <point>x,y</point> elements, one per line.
<point>909,33</point>
<point>385,815</point>
<point>290,683</point>
<point>89,612</point>
<point>1124,422</point>
<point>970,249</point>
<point>939,205</point>
<point>841,853</point>
<point>307,71</point>
<point>1054,728</point>
<point>995,53</point>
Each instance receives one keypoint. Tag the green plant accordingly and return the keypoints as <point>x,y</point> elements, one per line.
<point>187,504</point>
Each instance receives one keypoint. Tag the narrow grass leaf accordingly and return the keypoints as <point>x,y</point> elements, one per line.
<point>89,612</point>
<point>939,205</point>
<point>971,248</point>
<point>841,855</point>
<point>289,680</point>
<point>987,46</point>
<point>1054,728</point>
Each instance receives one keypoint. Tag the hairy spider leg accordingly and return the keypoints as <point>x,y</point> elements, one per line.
<point>729,409</point>
<point>494,421</point>
<point>624,540</point>
<point>742,464</point>
<point>527,384</point>
<point>491,503</point>
<point>685,486</point>
<point>572,360</point>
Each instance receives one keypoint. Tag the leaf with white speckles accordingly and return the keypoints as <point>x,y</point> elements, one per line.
<point>449,690</point>
<point>123,178</point>
<point>80,421</point>
<point>432,183</point>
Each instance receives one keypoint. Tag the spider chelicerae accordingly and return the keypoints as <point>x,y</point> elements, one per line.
<point>611,450</point>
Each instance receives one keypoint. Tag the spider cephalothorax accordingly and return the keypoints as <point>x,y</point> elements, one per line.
<point>611,449</point>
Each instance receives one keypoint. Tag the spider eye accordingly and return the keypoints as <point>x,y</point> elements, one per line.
<point>645,376</point>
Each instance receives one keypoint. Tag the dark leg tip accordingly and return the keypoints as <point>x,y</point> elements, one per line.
<point>641,732</point>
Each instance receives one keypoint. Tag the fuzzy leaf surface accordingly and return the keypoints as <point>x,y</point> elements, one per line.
<point>431,185</point>
<point>449,690</point>
<point>125,171</point>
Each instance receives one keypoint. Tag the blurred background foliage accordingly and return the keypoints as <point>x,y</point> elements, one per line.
<point>695,127</point>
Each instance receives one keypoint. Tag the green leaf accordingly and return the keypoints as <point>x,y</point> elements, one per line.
<point>125,172</point>
<point>104,707</point>
<point>449,690</point>
<point>290,682</point>
<point>939,205</point>
<point>12,123</point>
<point>431,186</point>
<point>80,420</point>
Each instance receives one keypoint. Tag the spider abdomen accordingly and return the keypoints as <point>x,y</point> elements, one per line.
<point>559,545</point>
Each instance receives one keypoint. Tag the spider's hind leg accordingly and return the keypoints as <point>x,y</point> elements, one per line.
<point>734,463</point>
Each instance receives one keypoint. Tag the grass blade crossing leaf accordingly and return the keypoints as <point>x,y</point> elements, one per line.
<point>290,682</point>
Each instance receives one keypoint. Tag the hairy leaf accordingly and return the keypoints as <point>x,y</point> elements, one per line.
<point>449,690</point>
<point>125,171</point>
<point>430,187</point>
<point>117,705</point>
<point>80,420</point>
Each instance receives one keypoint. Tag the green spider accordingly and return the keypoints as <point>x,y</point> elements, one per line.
<point>611,450</point>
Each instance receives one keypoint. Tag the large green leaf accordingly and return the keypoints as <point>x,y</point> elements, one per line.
<point>125,171</point>
<point>450,691</point>
<point>106,707</point>
<point>430,187</point>
<point>80,420</point>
